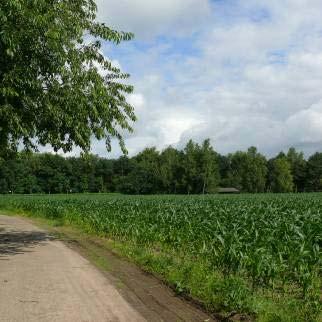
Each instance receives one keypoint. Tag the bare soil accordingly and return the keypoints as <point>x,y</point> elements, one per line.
<point>45,279</point>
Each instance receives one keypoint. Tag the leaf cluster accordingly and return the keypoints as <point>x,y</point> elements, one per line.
<point>56,86</point>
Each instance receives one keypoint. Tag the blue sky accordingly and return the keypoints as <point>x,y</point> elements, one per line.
<point>239,72</point>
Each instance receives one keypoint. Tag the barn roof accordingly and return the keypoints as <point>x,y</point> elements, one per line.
<point>228,190</point>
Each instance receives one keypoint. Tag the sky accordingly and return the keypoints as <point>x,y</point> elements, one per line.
<point>242,73</point>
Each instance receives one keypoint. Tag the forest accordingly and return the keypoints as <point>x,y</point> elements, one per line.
<point>196,169</point>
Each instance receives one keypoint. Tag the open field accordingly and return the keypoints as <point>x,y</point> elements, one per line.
<point>253,254</point>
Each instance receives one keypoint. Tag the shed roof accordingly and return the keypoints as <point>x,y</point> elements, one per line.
<point>228,190</point>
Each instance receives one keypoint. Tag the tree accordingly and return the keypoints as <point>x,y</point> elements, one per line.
<point>190,166</point>
<point>200,168</point>
<point>170,170</point>
<point>248,171</point>
<point>56,86</point>
<point>298,168</point>
<point>53,173</point>
<point>209,170</point>
<point>224,169</point>
<point>234,174</point>
<point>314,172</point>
<point>192,170</point>
<point>254,172</point>
<point>148,164</point>
<point>104,172</point>
<point>281,175</point>
<point>140,181</point>
<point>23,179</point>
<point>6,177</point>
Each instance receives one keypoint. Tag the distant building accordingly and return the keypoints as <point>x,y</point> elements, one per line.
<point>228,190</point>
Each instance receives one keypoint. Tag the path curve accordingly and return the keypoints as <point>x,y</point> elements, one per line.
<point>41,279</point>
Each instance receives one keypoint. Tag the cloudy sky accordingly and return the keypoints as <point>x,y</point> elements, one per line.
<point>239,72</point>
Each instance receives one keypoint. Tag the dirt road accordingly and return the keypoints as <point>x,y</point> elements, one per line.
<point>41,279</point>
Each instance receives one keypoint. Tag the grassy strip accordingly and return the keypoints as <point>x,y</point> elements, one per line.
<point>196,280</point>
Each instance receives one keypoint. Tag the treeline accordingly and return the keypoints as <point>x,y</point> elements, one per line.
<point>196,169</point>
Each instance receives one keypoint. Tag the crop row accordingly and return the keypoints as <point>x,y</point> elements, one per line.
<point>269,239</point>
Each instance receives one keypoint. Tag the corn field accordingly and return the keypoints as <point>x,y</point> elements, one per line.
<point>270,239</point>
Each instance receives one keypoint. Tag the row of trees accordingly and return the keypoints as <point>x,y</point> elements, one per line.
<point>194,170</point>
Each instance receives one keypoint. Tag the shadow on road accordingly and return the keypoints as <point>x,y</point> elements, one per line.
<point>19,242</point>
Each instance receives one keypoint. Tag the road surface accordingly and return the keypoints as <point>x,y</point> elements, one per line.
<point>41,279</point>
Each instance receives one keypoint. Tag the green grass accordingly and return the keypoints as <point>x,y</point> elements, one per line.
<point>253,254</point>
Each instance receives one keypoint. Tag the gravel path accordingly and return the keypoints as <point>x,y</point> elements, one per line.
<point>43,280</point>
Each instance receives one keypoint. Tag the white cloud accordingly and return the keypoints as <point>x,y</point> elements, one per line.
<point>137,101</point>
<point>148,18</point>
<point>240,82</point>
<point>306,125</point>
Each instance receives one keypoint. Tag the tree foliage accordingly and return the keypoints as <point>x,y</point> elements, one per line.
<point>196,169</point>
<point>56,86</point>
<point>281,175</point>
<point>245,170</point>
<point>298,168</point>
<point>314,172</point>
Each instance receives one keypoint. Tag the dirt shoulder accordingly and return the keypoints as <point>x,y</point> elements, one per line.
<point>44,278</point>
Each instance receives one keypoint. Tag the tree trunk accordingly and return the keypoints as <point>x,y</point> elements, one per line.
<point>204,187</point>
